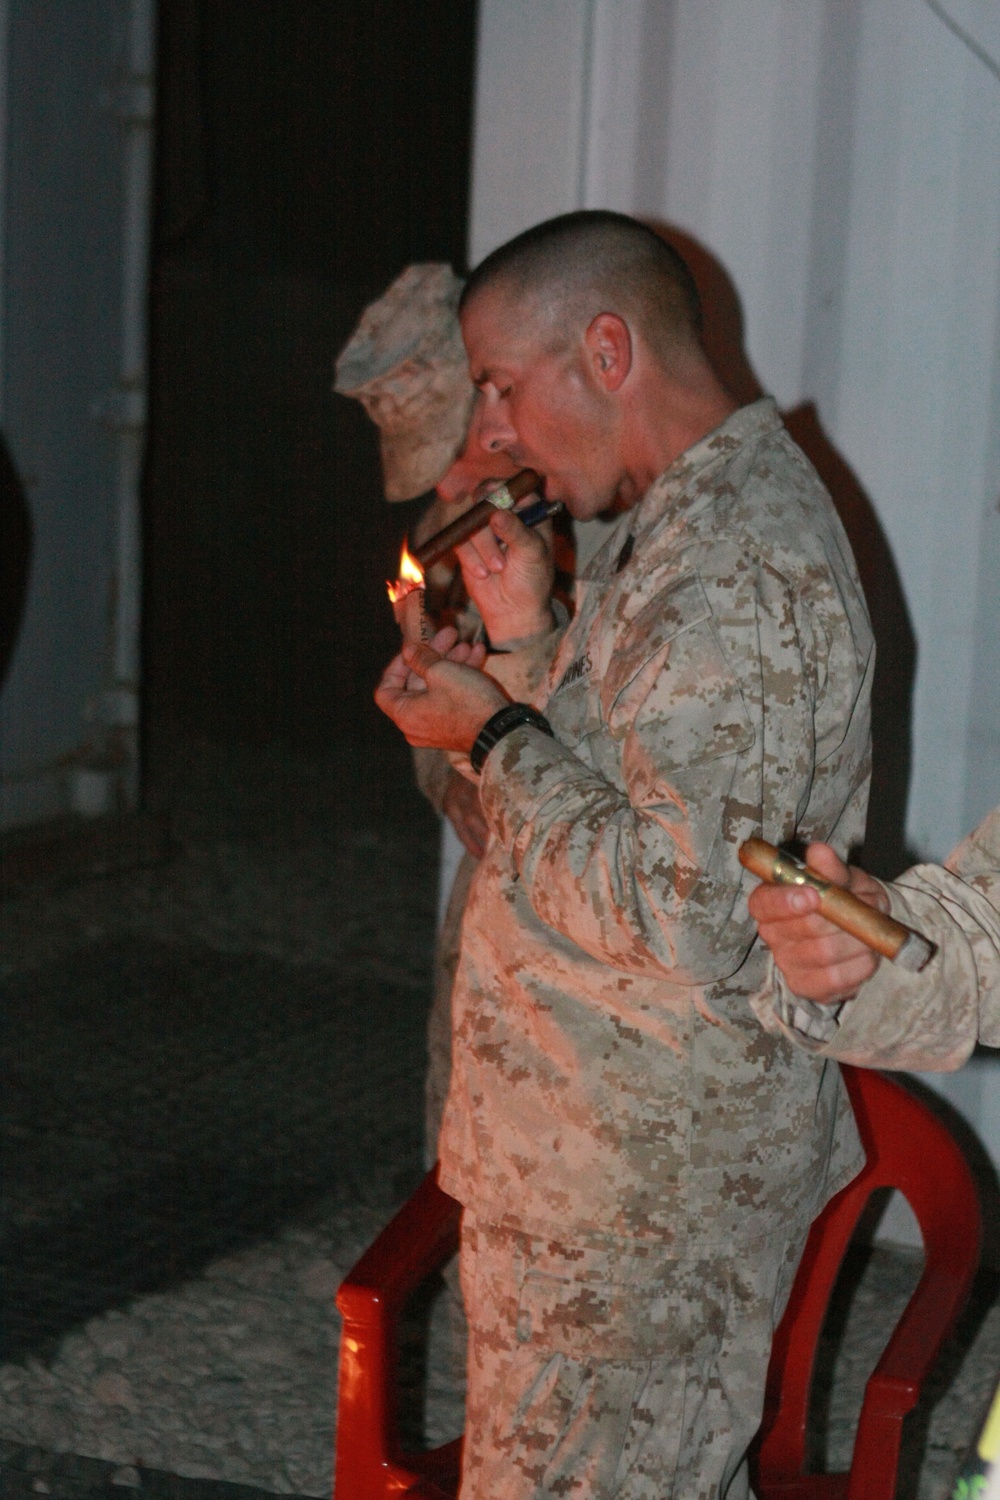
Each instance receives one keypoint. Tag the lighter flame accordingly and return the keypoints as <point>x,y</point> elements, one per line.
<point>411,576</point>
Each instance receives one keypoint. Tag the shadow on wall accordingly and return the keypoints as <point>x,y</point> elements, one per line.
<point>15,556</point>
<point>885,851</point>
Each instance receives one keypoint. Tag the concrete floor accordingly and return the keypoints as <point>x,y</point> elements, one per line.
<point>214,1072</point>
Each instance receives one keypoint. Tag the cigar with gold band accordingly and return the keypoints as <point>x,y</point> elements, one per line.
<point>504,497</point>
<point>880,932</point>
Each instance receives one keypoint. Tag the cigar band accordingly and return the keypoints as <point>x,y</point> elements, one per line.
<point>501,498</point>
<point>788,871</point>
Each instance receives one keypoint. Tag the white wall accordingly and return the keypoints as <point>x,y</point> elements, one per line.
<point>842,161</point>
<point>841,158</point>
<point>75,117</point>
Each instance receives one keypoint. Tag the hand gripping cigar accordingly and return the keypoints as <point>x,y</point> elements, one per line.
<point>911,950</point>
<point>456,532</point>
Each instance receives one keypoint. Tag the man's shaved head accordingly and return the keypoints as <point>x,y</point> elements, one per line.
<point>583,336</point>
<point>581,264</point>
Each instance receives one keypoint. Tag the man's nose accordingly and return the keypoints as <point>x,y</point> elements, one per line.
<point>495,430</point>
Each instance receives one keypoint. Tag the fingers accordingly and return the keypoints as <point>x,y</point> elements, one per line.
<point>512,532</point>
<point>822,859</point>
<point>444,639</point>
<point>468,654</point>
<point>827,864</point>
<point>394,688</point>
<point>446,644</point>
<point>825,973</point>
<point>480,555</point>
<point>782,903</point>
<point>485,552</point>
<point>811,943</point>
<point>420,657</point>
<point>867,888</point>
<point>393,679</point>
<point>819,961</point>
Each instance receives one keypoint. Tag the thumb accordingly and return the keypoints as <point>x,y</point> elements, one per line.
<point>420,657</point>
<point>827,864</point>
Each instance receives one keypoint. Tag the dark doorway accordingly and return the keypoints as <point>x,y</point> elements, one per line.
<point>306,154</point>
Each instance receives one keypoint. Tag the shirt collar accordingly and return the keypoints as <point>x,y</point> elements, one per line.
<point>691,476</point>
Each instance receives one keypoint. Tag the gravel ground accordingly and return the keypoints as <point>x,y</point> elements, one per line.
<point>189,1330</point>
<point>231,1376</point>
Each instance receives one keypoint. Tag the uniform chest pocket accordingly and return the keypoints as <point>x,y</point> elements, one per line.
<point>671,684</point>
<point>574,710</point>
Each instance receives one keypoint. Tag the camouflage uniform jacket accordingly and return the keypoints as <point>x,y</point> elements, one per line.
<point>926,1022</point>
<point>609,1077</point>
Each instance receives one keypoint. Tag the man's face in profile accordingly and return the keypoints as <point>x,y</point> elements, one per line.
<point>539,403</point>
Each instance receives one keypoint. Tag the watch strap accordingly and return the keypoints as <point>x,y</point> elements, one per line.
<point>506,719</point>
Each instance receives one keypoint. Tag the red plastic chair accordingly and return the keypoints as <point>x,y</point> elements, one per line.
<point>369,1462</point>
<point>910,1149</point>
<point>907,1147</point>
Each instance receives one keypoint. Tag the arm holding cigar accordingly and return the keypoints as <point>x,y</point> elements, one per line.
<point>833,994</point>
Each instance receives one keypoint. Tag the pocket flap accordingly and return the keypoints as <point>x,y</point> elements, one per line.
<point>672,611</point>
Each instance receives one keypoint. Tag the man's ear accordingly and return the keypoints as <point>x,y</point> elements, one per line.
<point>609,344</point>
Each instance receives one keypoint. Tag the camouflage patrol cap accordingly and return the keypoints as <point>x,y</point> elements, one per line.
<point>406,365</point>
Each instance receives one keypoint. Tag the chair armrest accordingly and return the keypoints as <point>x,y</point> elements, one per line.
<point>419,1239</point>
<point>907,1358</point>
<point>893,1388</point>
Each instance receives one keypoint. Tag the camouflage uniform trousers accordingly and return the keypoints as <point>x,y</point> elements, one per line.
<point>604,1373</point>
<point>445,1394</point>
<point>446,955</point>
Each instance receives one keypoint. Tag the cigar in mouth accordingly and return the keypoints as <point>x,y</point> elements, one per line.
<point>504,497</point>
<point>882,933</point>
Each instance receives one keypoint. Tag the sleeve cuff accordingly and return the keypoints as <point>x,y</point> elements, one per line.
<point>811,1025</point>
<point>521,773</point>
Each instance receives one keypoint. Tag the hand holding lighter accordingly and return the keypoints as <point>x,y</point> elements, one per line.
<point>880,932</point>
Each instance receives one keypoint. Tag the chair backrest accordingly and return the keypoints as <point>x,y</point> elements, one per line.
<point>907,1148</point>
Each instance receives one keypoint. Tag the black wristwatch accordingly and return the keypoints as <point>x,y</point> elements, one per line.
<point>511,716</point>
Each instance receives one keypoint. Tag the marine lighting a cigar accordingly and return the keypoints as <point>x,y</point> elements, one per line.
<point>882,933</point>
<point>504,497</point>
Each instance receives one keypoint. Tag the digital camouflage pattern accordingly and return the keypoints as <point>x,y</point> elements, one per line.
<point>519,673</point>
<point>611,1088</point>
<point>613,1370</point>
<point>406,364</point>
<point>608,1074</point>
<point>446,954</point>
<point>926,1022</point>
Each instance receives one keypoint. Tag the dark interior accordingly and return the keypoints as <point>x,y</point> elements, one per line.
<point>307,153</point>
